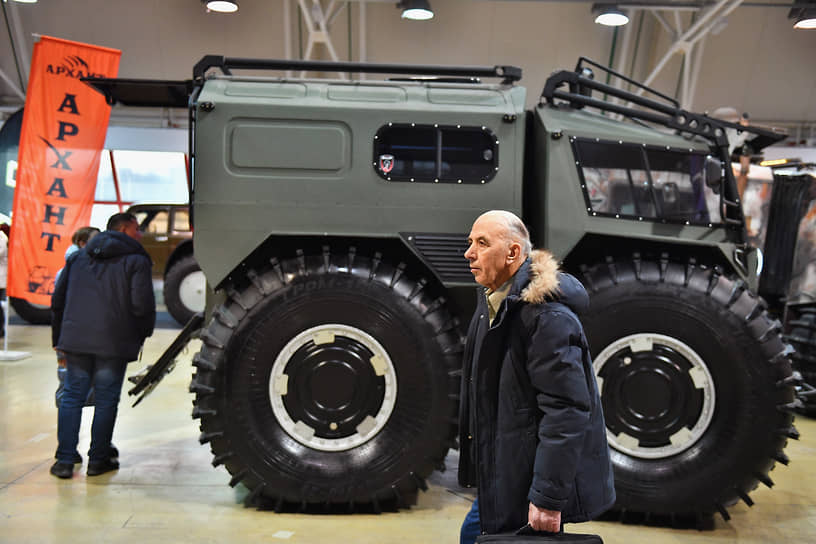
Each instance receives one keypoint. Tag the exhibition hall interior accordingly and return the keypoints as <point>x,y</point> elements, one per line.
<point>343,347</point>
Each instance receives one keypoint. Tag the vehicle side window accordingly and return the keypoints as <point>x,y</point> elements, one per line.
<point>644,182</point>
<point>435,154</point>
<point>181,220</point>
<point>158,225</point>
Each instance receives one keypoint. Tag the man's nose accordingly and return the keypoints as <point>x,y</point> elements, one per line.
<point>468,252</point>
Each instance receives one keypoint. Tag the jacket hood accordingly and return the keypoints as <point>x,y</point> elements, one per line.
<point>110,244</point>
<point>544,282</point>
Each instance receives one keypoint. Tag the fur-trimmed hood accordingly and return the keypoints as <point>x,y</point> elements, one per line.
<point>539,280</point>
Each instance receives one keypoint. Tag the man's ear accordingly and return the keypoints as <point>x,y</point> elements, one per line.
<point>513,252</point>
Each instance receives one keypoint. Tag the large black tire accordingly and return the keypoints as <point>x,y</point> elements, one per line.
<point>803,339</point>
<point>695,383</point>
<point>32,313</point>
<point>357,411</point>
<point>184,289</point>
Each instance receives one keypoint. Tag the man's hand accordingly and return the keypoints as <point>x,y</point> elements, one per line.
<point>542,519</point>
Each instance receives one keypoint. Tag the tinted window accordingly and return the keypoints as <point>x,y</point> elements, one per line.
<point>645,182</point>
<point>442,154</point>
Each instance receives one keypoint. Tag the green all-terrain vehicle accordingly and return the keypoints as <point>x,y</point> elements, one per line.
<point>330,221</point>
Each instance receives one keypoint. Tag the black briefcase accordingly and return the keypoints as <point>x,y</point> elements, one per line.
<point>525,535</point>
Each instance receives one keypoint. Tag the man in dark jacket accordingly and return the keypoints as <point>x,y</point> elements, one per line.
<point>103,309</point>
<point>532,432</point>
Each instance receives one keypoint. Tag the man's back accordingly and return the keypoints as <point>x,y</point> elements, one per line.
<point>103,303</point>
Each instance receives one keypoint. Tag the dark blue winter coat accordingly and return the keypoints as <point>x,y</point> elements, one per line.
<point>531,423</point>
<point>103,302</point>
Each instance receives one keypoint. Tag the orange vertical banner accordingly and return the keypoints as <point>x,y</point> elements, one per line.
<point>64,126</point>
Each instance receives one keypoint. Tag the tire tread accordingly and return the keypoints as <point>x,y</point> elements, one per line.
<point>240,301</point>
<point>734,298</point>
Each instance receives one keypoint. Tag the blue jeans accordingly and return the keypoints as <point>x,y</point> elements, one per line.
<point>471,527</point>
<point>106,374</point>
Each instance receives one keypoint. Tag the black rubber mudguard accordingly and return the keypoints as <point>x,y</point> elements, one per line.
<point>166,362</point>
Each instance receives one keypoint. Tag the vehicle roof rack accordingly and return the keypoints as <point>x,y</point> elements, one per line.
<point>508,74</point>
<point>667,112</point>
<point>165,93</point>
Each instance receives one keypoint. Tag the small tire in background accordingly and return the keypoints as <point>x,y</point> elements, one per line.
<point>36,314</point>
<point>185,289</point>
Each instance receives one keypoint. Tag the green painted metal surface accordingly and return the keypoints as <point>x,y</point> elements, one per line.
<point>297,158</point>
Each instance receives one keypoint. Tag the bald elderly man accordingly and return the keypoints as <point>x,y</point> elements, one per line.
<point>532,432</point>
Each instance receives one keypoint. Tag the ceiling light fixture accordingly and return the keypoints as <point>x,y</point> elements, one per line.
<point>221,6</point>
<point>609,15</point>
<point>804,13</point>
<point>416,10</point>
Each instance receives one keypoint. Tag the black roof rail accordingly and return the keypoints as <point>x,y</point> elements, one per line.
<point>579,67</point>
<point>667,113</point>
<point>508,74</point>
<point>165,93</point>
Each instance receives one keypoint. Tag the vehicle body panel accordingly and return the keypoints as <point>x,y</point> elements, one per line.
<point>297,191</point>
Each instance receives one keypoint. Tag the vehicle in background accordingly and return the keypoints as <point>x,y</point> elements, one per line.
<point>168,239</point>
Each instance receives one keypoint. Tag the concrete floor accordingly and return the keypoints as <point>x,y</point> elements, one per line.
<point>167,491</point>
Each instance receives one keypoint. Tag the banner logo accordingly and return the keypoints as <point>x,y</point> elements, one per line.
<point>72,66</point>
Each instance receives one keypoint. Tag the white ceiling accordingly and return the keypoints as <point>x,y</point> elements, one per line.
<point>757,63</point>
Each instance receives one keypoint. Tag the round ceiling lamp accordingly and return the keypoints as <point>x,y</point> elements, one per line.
<point>803,13</point>
<point>221,6</point>
<point>416,10</point>
<point>807,21</point>
<point>609,15</point>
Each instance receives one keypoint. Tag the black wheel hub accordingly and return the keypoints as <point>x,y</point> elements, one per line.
<point>650,395</point>
<point>333,387</point>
